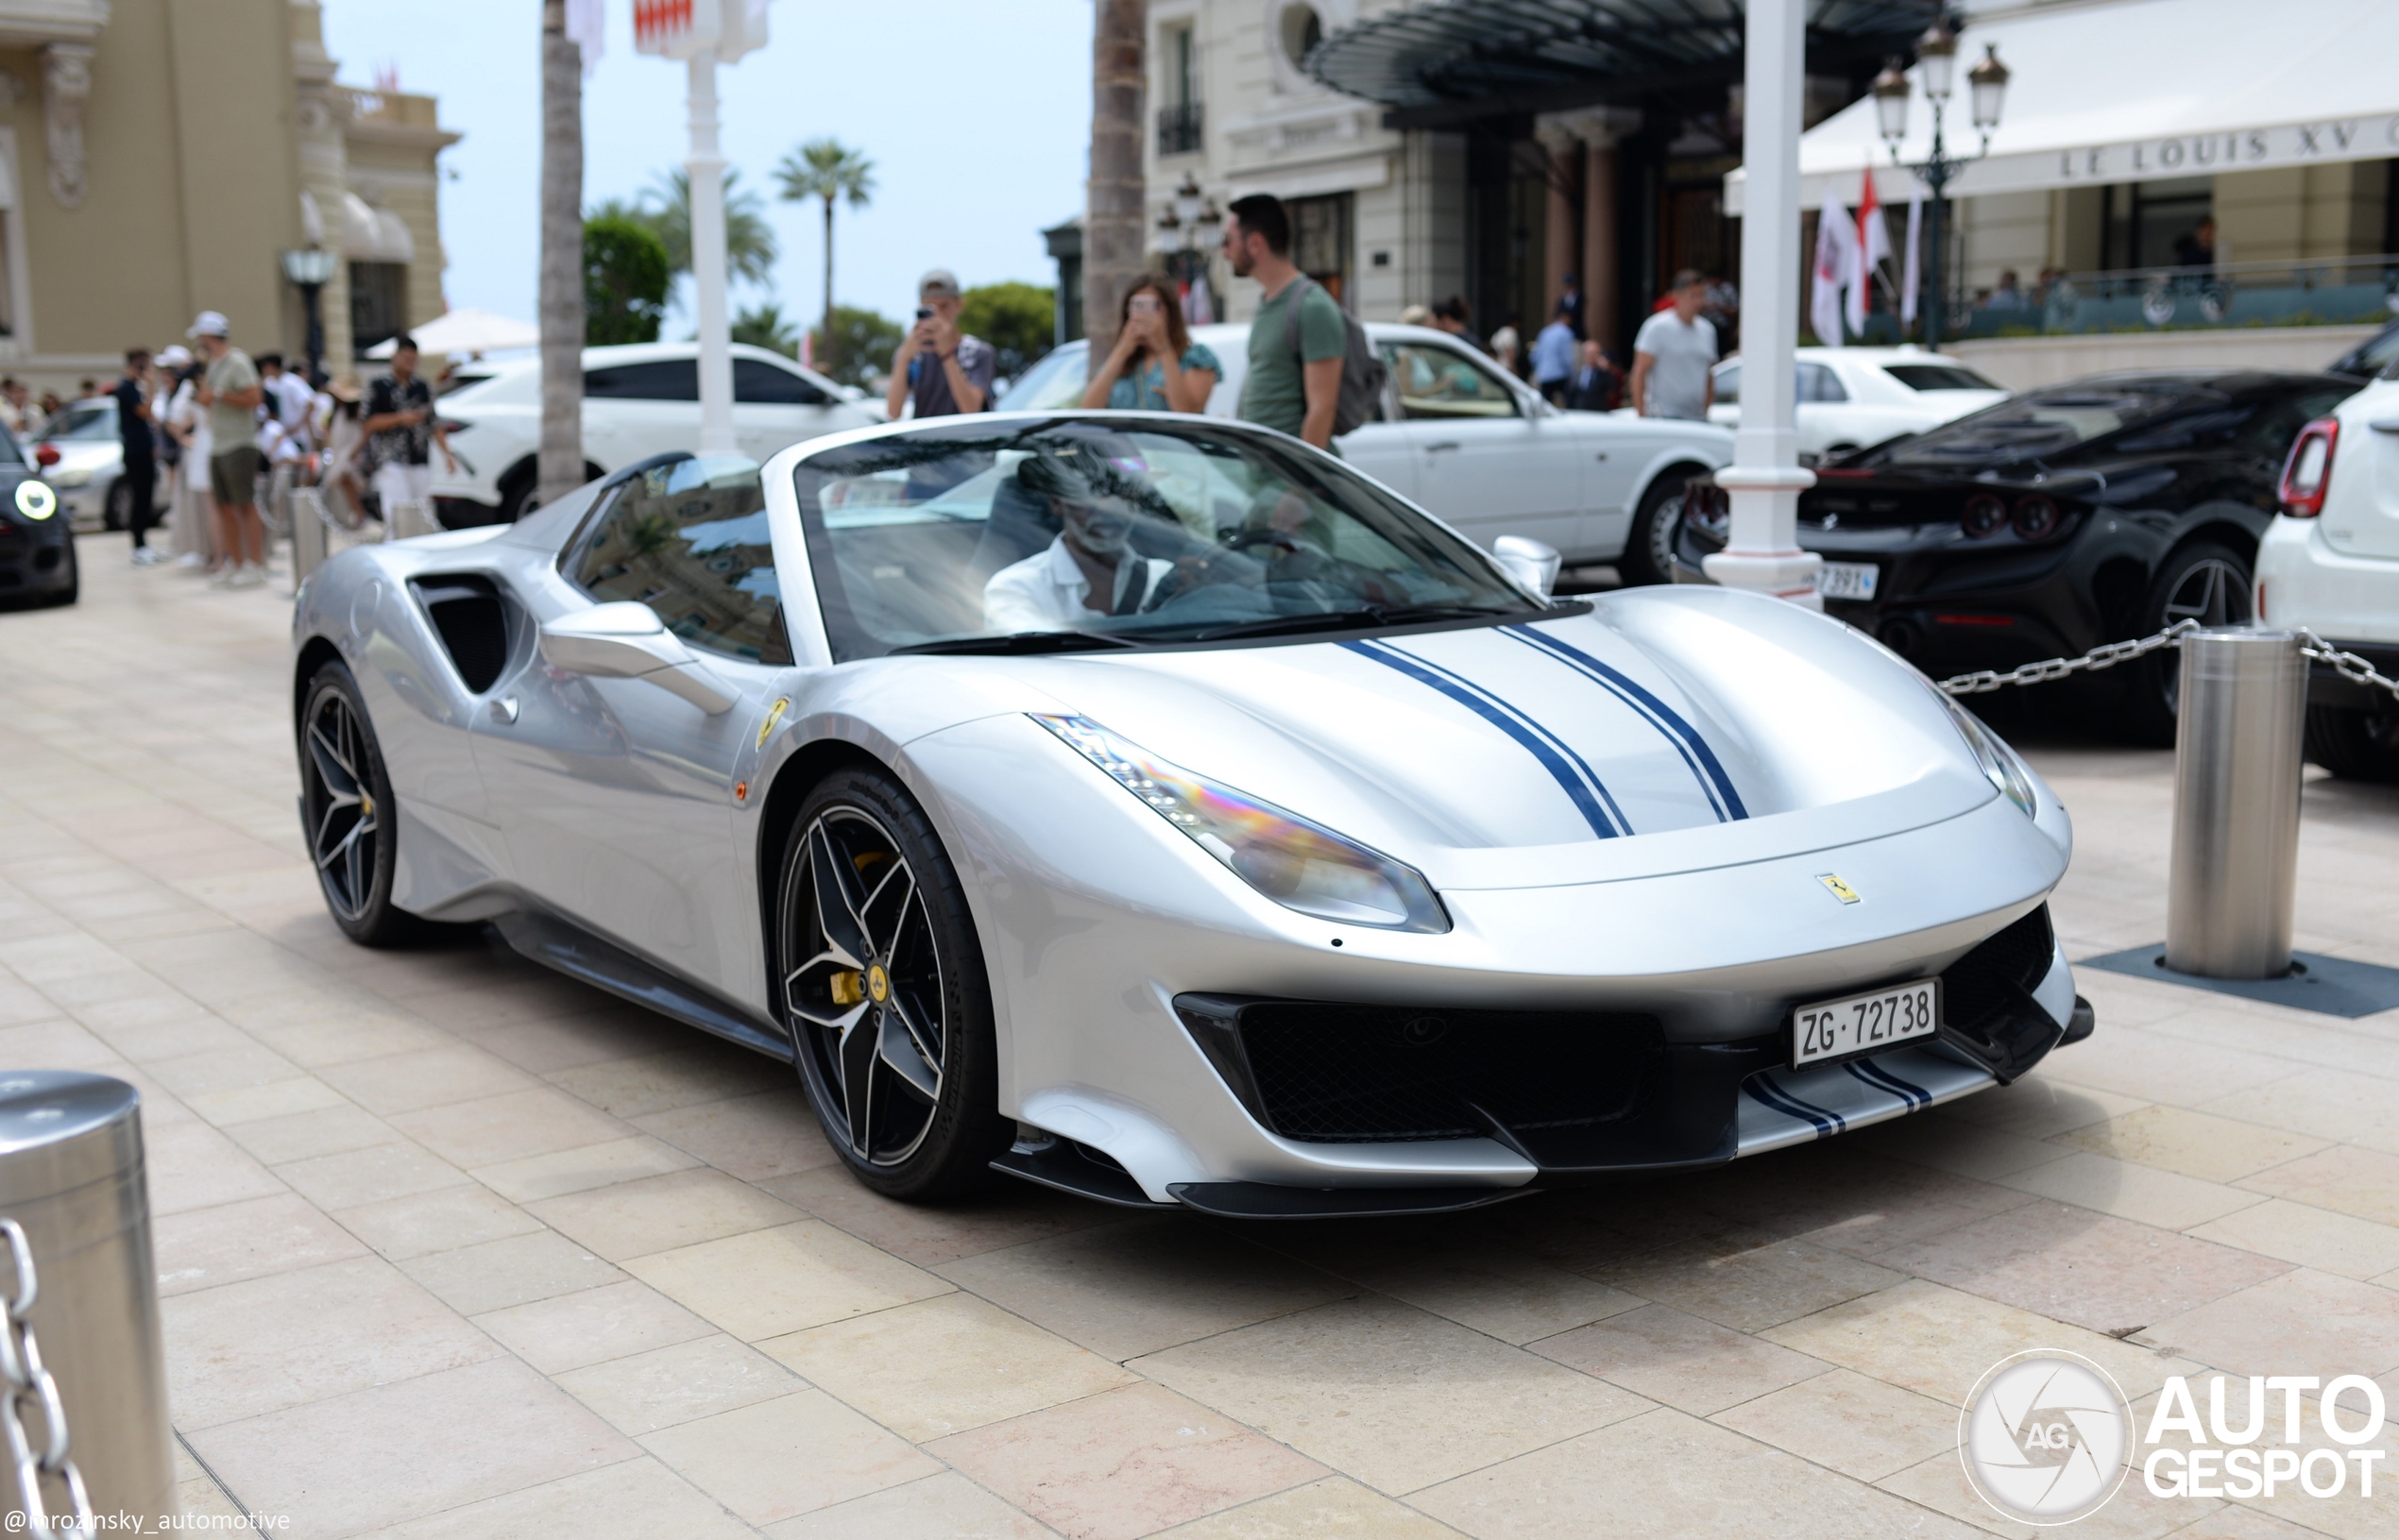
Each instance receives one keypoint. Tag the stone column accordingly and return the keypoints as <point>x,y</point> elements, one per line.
<point>1561,236</point>
<point>66,85</point>
<point>322,113</point>
<point>1588,138</point>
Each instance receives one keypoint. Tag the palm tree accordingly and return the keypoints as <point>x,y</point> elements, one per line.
<point>559,465</point>
<point>1113,222</point>
<point>827,169</point>
<point>766,326</point>
<point>749,241</point>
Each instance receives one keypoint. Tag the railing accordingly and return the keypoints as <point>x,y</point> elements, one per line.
<point>1178,129</point>
<point>2334,291</point>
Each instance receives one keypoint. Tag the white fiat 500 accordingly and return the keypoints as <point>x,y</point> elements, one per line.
<point>1855,398</point>
<point>2331,562</point>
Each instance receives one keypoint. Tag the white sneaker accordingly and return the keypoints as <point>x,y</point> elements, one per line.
<point>191,561</point>
<point>223,577</point>
<point>247,575</point>
<point>144,556</point>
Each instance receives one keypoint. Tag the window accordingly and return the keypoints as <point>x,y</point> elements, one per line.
<point>689,540</point>
<point>1814,382</point>
<point>1321,241</point>
<point>1302,30</point>
<point>85,420</point>
<point>1437,384</point>
<point>1179,118</point>
<point>378,302</point>
<point>667,379</point>
<point>757,383</point>
<point>1937,376</point>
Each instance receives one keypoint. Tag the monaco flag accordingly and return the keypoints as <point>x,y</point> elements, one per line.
<point>1874,250</point>
<point>1837,269</point>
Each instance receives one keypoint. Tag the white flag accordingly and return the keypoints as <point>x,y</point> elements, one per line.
<point>588,30</point>
<point>1911,271</point>
<point>1837,268</point>
<point>1874,250</point>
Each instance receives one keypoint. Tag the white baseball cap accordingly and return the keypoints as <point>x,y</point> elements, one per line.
<point>174,356</point>
<point>211,323</point>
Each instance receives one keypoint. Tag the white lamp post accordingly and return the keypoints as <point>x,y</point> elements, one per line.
<point>1937,55</point>
<point>1764,480</point>
<point>703,34</point>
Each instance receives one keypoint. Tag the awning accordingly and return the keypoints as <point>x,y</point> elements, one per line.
<point>372,234</point>
<point>2127,90</point>
<point>459,333</point>
<point>1519,53</point>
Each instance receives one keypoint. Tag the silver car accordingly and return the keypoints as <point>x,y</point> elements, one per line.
<point>1156,808</point>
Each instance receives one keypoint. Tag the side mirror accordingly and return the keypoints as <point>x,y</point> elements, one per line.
<point>628,640</point>
<point>1532,563</point>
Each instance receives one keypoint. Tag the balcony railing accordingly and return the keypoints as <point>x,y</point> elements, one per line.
<point>1179,130</point>
<point>2335,291</point>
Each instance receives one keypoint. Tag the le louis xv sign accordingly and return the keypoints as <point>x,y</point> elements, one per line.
<point>2237,149</point>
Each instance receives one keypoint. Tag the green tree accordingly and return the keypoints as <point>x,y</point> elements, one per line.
<point>766,326</point>
<point>625,281</point>
<point>1019,320</point>
<point>664,207</point>
<point>827,169</point>
<point>857,344</point>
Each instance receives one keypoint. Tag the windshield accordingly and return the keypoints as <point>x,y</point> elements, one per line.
<point>1046,534</point>
<point>86,420</point>
<point>1055,383</point>
<point>2043,424</point>
<point>1937,376</point>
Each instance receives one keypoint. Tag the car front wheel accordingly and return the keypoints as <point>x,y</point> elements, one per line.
<point>883,991</point>
<point>347,813</point>
<point>1649,545</point>
<point>2355,745</point>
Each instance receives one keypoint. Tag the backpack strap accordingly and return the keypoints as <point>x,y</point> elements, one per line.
<point>1299,291</point>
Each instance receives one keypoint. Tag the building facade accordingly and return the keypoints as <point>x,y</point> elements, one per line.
<point>158,156</point>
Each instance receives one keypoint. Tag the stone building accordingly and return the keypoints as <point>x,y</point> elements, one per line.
<point>161,157</point>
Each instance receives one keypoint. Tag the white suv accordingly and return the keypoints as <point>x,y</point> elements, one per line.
<point>637,402</point>
<point>2331,564</point>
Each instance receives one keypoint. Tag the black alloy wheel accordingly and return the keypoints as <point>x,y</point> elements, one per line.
<point>1649,545</point>
<point>883,991</point>
<point>2355,745</point>
<point>73,589</point>
<point>347,812</point>
<point>2204,581</point>
<point>116,508</point>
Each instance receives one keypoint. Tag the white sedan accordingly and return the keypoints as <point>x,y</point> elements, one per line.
<point>637,402</point>
<point>1480,449</point>
<point>1855,398</point>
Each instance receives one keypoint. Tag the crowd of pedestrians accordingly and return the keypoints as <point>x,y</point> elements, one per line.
<point>210,437</point>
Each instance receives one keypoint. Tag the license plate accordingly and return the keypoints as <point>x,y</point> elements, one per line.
<point>1862,1022</point>
<point>1847,579</point>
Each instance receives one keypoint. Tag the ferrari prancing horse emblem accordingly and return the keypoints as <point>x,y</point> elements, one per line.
<point>1838,888</point>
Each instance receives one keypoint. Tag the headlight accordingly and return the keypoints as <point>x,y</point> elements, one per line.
<point>1298,864</point>
<point>1998,761</point>
<point>36,500</point>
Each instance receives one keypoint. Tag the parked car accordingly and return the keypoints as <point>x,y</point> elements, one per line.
<point>2080,513</point>
<point>1851,399</point>
<point>637,402</point>
<point>37,539</point>
<point>1329,868</point>
<point>2331,562</point>
<point>90,463</point>
<point>2370,358</point>
<point>1478,447</point>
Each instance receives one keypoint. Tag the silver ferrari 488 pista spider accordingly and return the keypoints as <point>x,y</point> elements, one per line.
<point>1153,807</point>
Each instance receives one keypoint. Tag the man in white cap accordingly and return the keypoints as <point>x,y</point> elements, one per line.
<point>231,391</point>
<point>939,367</point>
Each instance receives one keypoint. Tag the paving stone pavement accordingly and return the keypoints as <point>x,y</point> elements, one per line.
<point>451,1246</point>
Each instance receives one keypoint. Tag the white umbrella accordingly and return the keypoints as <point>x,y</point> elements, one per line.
<point>464,331</point>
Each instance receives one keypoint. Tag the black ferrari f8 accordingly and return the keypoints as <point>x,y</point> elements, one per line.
<point>2094,510</point>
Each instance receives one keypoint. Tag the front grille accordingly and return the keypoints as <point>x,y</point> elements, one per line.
<point>1338,1074</point>
<point>1973,995</point>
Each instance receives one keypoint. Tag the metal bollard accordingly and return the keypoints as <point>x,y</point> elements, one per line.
<point>71,1178</point>
<point>308,532</point>
<point>2237,758</point>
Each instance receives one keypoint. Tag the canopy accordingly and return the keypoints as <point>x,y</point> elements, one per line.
<point>372,234</point>
<point>464,331</point>
<point>2127,90</point>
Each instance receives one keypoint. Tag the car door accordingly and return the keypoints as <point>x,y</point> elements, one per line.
<point>616,796</point>
<point>634,411</point>
<point>775,406</point>
<point>1483,461</point>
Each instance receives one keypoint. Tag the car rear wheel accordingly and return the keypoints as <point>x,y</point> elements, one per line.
<point>2206,582</point>
<point>116,508</point>
<point>2355,745</point>
<point>347,813</point>
<point>1649,545</point>
<point>883,991</point>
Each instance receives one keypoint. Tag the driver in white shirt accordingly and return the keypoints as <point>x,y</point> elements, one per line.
<point>1089,569</point>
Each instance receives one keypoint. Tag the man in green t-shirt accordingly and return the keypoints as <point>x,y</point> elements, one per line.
<point>231,391</point>
<point>1293,390</point>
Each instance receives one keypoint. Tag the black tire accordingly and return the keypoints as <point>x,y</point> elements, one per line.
<point>2355,745</point>
<point>2204,581</point>
<point>518,501</point>
<point>68,559</point>
<point>910,1102</point>
<point>116,508</point>
<point>347,813</point>
<point>1649,544</point>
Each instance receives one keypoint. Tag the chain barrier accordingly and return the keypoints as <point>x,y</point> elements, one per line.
<point>2108,654</point>
<point>28,1383</point>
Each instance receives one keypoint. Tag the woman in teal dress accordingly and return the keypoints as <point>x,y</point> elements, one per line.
<point>1155,367</point>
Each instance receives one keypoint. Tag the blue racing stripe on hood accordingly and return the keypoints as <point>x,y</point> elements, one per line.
<point>1669,722</point>
<point>1575,779</point>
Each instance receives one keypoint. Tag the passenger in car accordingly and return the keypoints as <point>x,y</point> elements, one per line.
<point>1090,569</point>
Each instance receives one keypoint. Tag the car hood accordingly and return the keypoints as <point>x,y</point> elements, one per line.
<point>1668,729</point>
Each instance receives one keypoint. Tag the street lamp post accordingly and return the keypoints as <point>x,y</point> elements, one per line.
<point>310,268</point>
<point>1937,64</point>
<point>1187,231</point>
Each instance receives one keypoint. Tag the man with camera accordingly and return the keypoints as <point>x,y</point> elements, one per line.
<point>939,367</point>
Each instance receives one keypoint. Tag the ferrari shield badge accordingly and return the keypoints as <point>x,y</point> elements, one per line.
<point>774,714</point>
<point>1838,888</point>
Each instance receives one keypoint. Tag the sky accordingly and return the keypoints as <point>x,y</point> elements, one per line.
<point>976,116</point>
